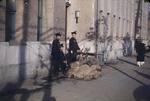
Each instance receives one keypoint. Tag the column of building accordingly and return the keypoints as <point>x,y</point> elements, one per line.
<point>115,18</point>
<point>101,15</point>
<point>129,17</point>
<point>133,15</point>
<point>2,20</point>
<point>109,16</point>
<point>10,19</point>
<point>112,15</point>
<point>26,23</point>
<point>49,19</point>
<point>144,29</point>
<point>120,19</point>
<point>146,21</point>
<point>125,17</point>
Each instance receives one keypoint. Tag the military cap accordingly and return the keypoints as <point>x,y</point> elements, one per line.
<point>74,32</point>
<point>58,34</point>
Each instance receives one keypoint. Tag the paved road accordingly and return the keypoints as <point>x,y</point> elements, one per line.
<point>123,81</point>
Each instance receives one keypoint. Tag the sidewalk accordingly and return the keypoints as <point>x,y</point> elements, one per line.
<point>123,81</point>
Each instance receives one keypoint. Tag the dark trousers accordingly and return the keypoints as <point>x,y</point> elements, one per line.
<point>140,57</point>
<point>72,57</point>
<point>56,66</point>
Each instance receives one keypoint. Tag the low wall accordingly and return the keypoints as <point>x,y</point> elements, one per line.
<point>32,60</point>
<point>23,61</point>
<point>108,50</point>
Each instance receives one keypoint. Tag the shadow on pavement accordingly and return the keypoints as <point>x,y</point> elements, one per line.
<point>147,56</point>
<point>134,64</point>
<point>142,74</point>
<point>127,75</point>
<point>26,93</point>
<point>142,93</point>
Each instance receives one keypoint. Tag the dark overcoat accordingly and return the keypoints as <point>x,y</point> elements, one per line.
<point>73,47</point>
<point>140,50</point>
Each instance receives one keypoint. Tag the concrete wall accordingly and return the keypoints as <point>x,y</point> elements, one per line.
<point>20,62</point>
<point>144,25</point>
<point>52,18</point>
<point>26,20</point>
<point>86,17</point>
<point>115,19</point>
<point>48,20</point>
<point>59,16</point>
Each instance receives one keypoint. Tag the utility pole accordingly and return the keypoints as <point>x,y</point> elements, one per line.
<point>96,31</point>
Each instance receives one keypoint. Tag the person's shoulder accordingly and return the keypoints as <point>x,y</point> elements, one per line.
<point>143,44</point>
<point>53,41</point>
<point>56,40</point>
<point>71,39</point>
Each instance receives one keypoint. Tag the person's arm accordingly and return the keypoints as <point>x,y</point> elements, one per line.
<point>78,48</point>
<point>76,45</point>
<point>53,48</point>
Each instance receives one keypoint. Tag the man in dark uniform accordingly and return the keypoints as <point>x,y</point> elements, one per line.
<point>57,55</point>
<point>140,50</point>
<point>73,47</point>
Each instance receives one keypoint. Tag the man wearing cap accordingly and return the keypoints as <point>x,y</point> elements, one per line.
<point>57,55</point>
<point>73,47</point>
<point>140,50</point>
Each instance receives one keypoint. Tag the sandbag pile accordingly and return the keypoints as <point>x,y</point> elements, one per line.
<point>84,71</point>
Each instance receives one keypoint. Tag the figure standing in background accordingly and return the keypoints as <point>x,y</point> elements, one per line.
<point>127,45</point>
<point>140,50</point>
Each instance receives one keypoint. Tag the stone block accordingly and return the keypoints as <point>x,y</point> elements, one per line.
<point>12,55</point>
<point>86,44</point>
<point>3,48</point>
<point>33,52</point>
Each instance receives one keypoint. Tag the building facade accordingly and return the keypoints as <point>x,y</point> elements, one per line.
<point>42,18</point>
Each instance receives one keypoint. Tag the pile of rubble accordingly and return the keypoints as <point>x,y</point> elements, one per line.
<point>85,70</point>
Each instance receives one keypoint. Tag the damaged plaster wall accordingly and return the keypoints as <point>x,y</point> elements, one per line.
<point>25,61</point>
